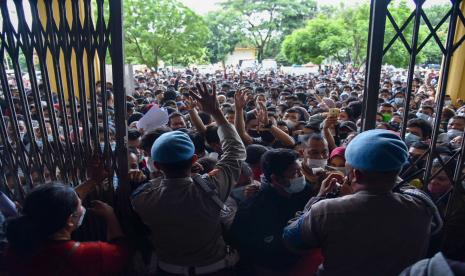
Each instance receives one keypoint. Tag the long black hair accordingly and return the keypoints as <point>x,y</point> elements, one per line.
<point>45,211</point>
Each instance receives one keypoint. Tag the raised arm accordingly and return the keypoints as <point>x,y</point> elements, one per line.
<point>228,169</point>
<point>194,115</point>
<point>266,123</point>
<point>240,101</point>
<point>327,124</point>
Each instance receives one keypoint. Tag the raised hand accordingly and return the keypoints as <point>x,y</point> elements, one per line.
<point>207,101</point>
<point>262,114</point>
<point>241,99</point>
<point>190,103</point>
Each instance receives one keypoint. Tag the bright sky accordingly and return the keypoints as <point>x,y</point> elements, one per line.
<point>204,6</point>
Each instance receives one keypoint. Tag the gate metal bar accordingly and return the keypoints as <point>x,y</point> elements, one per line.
<point>413,57</point>
<point>455,16</point>
<point>378,12</point>
<point>443,86</point>
<point>73,129</point>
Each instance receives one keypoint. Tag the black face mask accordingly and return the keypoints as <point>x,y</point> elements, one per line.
<point>267,136</point>
<point>253,133</point>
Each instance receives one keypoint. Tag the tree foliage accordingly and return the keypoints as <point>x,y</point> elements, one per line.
<point>226,33</point>
<point>163,30</point>
<point>341,33</point>
<point>265,20</point>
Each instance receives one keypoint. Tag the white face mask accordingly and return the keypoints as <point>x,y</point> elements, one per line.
<point>447,102</point>
<point>317,163</point>
<point>291,124</point>
<point>297,185</point>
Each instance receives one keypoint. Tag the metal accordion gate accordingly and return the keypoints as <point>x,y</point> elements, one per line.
<point>54,93</point>
<point>379,44</point>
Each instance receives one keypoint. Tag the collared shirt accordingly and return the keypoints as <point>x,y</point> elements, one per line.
<point>364,233</point>
<point>184,221</point>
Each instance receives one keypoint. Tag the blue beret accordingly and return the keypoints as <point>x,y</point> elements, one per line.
<point>377,150</point>
<point>172,147</point>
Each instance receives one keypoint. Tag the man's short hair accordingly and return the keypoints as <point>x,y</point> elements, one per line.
<point>133,134</point>
<point>149,138</point>
<point>277,161</point>
<point>425,126</point>
<point>211,135</point>
<point>458,117</point>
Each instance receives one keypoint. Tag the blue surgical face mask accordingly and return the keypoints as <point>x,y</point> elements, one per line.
<point>344,96</point>
<point>302,138</point>
<point>424,116</point>
<point>297,185</point>
<point>399,101</point>
<point>410,139</point>
<point>452,133</point>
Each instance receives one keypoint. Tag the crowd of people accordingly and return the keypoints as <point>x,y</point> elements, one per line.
<point>258,174</point>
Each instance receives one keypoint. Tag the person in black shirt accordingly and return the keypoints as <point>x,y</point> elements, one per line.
<point>257,229</point>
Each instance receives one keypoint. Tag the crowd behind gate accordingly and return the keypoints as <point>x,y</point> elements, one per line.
<point>251,173</point>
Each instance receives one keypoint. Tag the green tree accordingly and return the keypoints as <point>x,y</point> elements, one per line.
<point>265,20</point>
<point>225,34</point>
<point>320,39</point>
<point>163,30</point>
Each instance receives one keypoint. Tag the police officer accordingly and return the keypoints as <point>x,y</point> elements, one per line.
<point>371,230</point>
<point>184,220</point>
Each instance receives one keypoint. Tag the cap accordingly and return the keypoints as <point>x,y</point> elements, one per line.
<point>377,150</point>
<point>349,125</point>
<point>172,147</point>
<point>339,151</point>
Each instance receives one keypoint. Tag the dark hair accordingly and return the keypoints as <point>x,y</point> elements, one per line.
<point>317,137</point>
<point>356,107</point>
<point>425,126</point>
<point>420,145</point>
<point>207,163</point>
<point>45,211</point>
<point>449,165</point>
<point>133,134</point>
<point>173,115</point>
<point>176,168</point>
<point>136,116</point>
<point>211,135</point>
<point>249,116</point>
<point>458,117</point>
<point>198,140</point>
<point>205,117</point>
<point>149,138</point>
<point>428,107</point>
<point>277,161</point>
<point>386,105</point>
<point>255,153</point>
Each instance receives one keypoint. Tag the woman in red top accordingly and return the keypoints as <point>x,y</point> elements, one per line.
<point>40,240</point>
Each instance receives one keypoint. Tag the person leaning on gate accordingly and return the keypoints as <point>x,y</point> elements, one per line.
<point>183,218</point>
<point>372,230</point>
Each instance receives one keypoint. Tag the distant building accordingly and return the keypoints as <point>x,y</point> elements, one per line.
<point>241,54</point>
